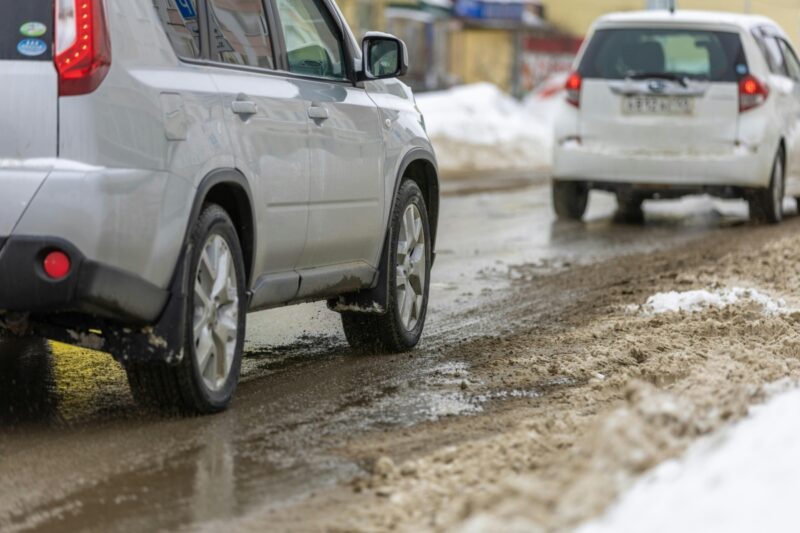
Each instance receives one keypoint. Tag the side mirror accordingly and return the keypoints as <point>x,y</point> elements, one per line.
<point>383,56</point>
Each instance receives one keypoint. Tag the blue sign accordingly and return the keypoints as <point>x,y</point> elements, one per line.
<point>32,47</point>
<point>186,7</point>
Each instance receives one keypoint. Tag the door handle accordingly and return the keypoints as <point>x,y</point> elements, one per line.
<point>244,107</point>
<point>318,113</point>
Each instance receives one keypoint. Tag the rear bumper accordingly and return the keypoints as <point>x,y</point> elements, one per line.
<point>739,167</point>
<point>90,287</point>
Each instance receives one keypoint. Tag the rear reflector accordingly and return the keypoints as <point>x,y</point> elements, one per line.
<point>752,93</point>
<point>573,88</point>
<point>83,46</point>
<point>56,265</point>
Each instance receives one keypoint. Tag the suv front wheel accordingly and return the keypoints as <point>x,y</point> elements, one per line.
<point>204,381</point>
<point>407,263</point>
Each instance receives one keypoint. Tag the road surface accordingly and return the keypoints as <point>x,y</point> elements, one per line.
<point>89,460</point>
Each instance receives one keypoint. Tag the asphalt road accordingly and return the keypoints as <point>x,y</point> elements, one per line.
<point>87,459</point>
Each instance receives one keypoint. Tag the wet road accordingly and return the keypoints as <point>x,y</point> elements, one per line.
<point>76,454</point>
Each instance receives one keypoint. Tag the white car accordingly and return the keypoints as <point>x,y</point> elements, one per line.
<point>665,104</point>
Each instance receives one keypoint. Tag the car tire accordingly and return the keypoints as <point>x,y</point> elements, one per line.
<point>399,328</point>
<point>27,389</point>
<point>204,380</point>
<point>570,199</point>
<point>766,205</point>
<point>629,209</point>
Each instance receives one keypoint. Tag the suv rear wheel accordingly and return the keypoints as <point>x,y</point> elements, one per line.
<point>570,199</point>
<point>204,381</point>
<point>766,205</point>
<point>407,262</point>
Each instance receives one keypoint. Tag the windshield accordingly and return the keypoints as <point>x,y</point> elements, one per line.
<point>26,29</point>
<point>664,53</point>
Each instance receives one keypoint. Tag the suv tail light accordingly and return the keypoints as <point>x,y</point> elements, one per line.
<point>573,88</point>
<point>83,46</point>
<point>752,93</point>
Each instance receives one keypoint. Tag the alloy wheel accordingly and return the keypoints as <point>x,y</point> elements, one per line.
<point>411,268</point>
<point>216,313</point>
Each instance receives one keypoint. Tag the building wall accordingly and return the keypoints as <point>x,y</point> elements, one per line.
<point>575,16</point>
<point>483,55</point>
<point>364,15</point>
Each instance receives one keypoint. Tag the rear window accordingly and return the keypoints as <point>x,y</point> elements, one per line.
<point>26,29</point>
<point>697,54</point>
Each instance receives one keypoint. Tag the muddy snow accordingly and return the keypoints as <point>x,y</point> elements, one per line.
<point>616,394</point>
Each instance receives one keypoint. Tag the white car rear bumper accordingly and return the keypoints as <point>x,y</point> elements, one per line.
<point>737,167</point>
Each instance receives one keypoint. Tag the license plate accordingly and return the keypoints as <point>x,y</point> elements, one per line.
<point>657,105</point>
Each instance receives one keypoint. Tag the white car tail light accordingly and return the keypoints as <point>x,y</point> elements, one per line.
<point>573,88</point>
<point>752,93</point>
<point>83,46</point>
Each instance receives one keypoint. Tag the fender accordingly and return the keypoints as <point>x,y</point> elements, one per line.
<point>374,299</point>
<point>164,340</point>
<point>416,154</point>
<point>217,177</point>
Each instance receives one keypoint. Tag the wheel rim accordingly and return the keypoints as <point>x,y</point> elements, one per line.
<point>777,188</point>
<point>216,313</point>
<point>411,268</point>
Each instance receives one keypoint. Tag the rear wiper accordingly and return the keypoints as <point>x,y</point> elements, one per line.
<point>658,76</point>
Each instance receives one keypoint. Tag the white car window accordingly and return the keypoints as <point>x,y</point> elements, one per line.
<point>689,53</point>
<point>772,51</point>
<point>792,64</point>
<point>313,46</point>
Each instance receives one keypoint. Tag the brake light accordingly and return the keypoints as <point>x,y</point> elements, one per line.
<point>83,46</point>
<point>752,93</point>
<point>573,88</point>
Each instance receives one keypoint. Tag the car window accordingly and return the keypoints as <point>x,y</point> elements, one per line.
<point>313,45</point>
<point>240,34</point>
<point>772,52</point>
<point>701,54</point>
<point>792,63</point>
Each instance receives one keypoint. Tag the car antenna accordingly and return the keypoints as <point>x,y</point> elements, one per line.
<point>672,6</point>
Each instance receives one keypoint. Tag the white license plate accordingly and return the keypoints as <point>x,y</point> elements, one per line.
<point>657,105</point>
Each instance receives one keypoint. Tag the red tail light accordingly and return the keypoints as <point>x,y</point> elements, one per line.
<point>57,265</point>
<point>83,46</point>
<point>752,93</point>
<point>573,88</point>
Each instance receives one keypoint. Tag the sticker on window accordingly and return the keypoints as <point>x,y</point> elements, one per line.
<point>33,29</point>
<point>187,9</point>
<point>32,47</point>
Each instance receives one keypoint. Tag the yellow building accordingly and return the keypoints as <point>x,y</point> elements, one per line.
<point>364,15</point>
<point>575,16</point>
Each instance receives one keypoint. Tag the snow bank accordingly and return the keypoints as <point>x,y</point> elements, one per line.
<point>691,301</point>
<point>479,128</point>
<point>743,481</point>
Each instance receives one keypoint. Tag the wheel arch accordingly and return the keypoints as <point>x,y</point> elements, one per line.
<point>228,188</point>
<point>420,166</point>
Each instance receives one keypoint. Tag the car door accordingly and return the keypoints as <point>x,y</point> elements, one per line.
<point>346,193</point>
<point>267,118</point>
<point>793,123</point>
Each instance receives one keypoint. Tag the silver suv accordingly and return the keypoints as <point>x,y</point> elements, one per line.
<point>167,166</point>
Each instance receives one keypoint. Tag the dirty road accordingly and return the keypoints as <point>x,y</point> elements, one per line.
<point>529,359</point>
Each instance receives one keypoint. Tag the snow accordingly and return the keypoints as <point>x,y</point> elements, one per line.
<point>698,300</point>
<point>743,480</point>
<point>478,127</point>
